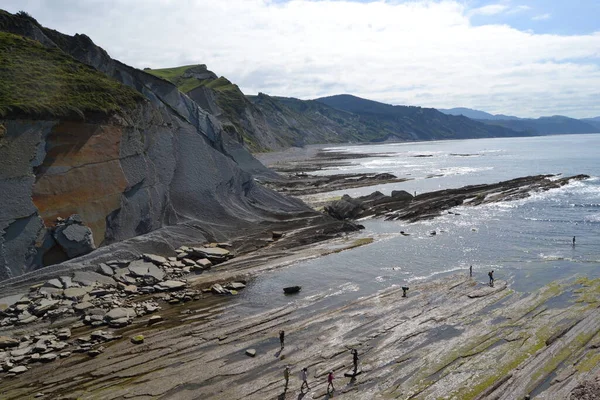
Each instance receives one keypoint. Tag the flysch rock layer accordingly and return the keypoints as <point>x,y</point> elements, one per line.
<point>436,343</point>
<point>165,164</point>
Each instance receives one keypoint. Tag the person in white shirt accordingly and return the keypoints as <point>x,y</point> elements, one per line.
<point>304,377</point>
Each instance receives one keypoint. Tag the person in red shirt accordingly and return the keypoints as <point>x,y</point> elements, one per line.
<point>330,382</point>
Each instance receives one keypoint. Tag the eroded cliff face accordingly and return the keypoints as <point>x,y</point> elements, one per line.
<point>164,169</point>
<point>124,176</point>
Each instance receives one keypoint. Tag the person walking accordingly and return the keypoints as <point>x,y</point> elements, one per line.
<point>355,359</point>
<point>330,382</point>
<point>573,241</point>
<point>491,275</point>
<point>286,376</point>
<point>281,338</point>
<point>471,271</point>
<point>304,377</point>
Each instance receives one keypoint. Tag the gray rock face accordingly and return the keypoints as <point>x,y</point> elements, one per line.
<point>162,161</point>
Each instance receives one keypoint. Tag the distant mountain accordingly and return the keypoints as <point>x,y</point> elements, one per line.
<point>595,122</point>
<point>548,125</point>
<point>474,114</point>
<point>556,124</point>
<point>414,123</point>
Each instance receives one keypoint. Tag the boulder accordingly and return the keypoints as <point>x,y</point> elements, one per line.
<point>345,208</point>
<point>251,352</point>
<point>73,237</point>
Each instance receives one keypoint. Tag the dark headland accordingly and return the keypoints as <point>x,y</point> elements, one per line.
<point>133,212</point>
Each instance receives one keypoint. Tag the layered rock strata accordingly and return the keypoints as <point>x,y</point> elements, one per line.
<point>401,205</point>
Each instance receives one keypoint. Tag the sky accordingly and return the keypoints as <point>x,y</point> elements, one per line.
<point>517,57</point>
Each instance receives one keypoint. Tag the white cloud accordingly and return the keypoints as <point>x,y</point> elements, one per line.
<point>420,53</point>
<point>541,17</point>
<point>518,9</point>
<point>490,9</point>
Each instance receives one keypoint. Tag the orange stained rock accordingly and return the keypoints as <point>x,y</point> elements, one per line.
<point>81,174</point>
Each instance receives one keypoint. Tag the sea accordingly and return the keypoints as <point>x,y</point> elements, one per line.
<point>527,242</point>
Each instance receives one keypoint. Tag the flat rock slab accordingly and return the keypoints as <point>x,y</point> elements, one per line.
<point>120,312</point>
<point>155,258</point>
<point>54,283</point>
<point>211,252</point>
<point>6,342</point>
<point>139,268</point>
<point>105,270</point>
<point>170,285</point>
<point>18,370</point>
<point>77,292</point>
<point>83,306</point>
<point>487,290</point>
<point>155,272</point>
<point>89,278</point>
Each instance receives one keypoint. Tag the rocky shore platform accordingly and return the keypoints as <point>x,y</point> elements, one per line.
<point>454,338</point>
<point>296,179</point>
<point>401,205</point>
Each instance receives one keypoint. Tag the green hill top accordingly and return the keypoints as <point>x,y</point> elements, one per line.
<point>45,82</point>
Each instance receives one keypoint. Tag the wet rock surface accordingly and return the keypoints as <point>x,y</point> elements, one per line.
<point>403,206</point>
<point>437,342</point>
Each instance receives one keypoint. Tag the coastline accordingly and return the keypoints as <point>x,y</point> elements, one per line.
<point>452,336</point>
